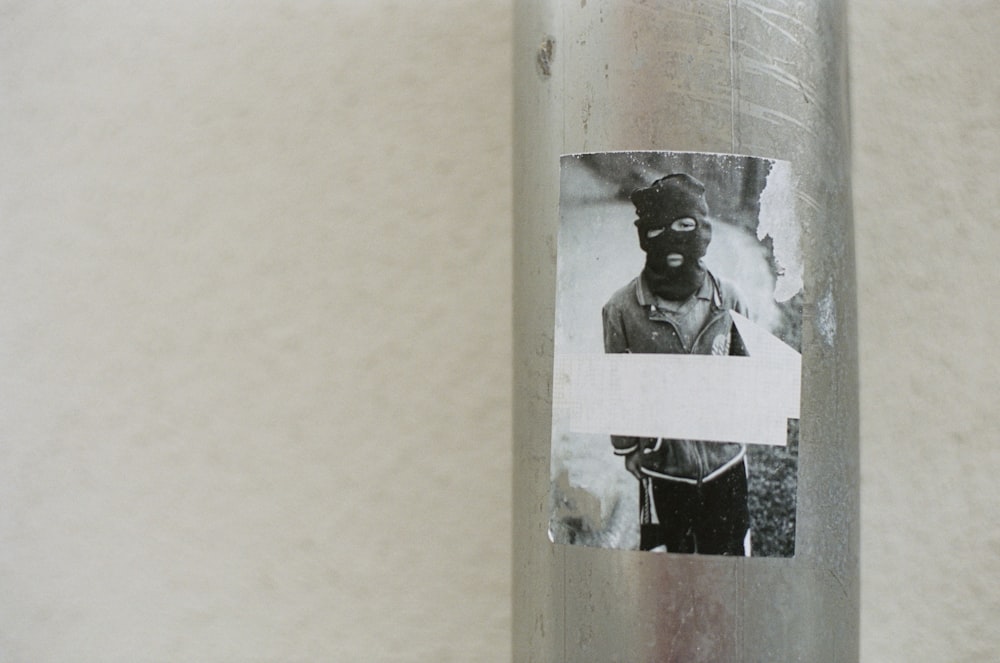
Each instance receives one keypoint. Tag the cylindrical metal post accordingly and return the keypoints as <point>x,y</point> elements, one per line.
<point>763,79</point>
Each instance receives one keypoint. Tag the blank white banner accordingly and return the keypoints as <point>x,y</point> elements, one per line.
<point>699,397</point>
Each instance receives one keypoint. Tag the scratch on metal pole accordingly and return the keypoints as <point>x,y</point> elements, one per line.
<point>733,72</point>
<point>544,57</point>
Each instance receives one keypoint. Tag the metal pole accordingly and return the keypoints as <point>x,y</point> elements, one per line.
<point>768,79</point>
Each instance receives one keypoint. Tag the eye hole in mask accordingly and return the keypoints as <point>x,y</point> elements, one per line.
<point>683,225</point>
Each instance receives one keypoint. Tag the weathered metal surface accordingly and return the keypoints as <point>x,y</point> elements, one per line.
<point>765,78</point>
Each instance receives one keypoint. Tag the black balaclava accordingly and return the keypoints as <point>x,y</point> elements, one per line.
<point>666,200</point>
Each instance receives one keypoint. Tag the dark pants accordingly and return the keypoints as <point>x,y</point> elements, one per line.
<point>711,518</point>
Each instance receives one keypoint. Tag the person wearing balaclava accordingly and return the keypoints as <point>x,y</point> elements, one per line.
<point>693,493</point>
<point>674,231</point>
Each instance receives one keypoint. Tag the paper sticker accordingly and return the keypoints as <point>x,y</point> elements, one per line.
<point>677,375</point>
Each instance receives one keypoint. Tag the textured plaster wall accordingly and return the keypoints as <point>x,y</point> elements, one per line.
<point>255,336</point>
<point>926,102</point>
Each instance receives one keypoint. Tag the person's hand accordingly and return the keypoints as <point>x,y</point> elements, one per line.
<point>633,463</point>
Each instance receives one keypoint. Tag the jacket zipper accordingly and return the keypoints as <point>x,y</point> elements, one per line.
<point>694,344</point>
<point>720,313</point>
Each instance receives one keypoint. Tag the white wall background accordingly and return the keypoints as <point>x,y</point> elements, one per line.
<point>255,330</point>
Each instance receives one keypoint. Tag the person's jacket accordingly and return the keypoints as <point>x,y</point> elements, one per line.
<point>633,323</point>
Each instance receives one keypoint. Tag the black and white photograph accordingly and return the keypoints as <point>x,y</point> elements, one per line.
<point>677,335</point>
